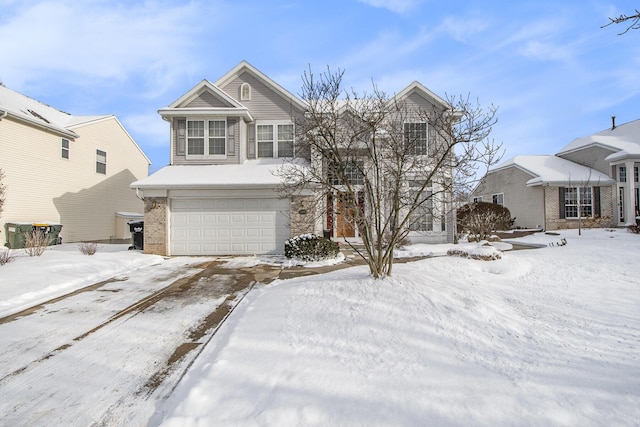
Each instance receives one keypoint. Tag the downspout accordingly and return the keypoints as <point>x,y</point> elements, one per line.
<point>138,194</point>
<point>4,114</point>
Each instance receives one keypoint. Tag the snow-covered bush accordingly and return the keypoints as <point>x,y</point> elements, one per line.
<point>481,219</point>
<point>310,247</point>
<point>88,248</point>
<point>484,252</point>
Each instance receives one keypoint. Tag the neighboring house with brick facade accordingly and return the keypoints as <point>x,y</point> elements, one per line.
<point>67,169</point>
<point>219,194</point>
<point>596,175</point>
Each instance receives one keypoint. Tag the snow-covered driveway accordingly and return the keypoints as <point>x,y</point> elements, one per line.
<point>103,355</point>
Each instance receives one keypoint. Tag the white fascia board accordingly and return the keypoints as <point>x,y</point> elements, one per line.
<point>226,112</point>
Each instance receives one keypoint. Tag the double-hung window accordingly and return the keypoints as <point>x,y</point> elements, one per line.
<point>498,199</point>
<point>578,199</point>
<point>416,138</point>
<point>64,148</point>
<point>274,139</point>
<point>207,138</point>
<point>101,162</point>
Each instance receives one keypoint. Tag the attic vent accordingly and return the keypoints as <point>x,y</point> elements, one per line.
<point>34,114</point>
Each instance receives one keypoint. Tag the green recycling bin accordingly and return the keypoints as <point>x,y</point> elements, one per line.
<point>15,233</point>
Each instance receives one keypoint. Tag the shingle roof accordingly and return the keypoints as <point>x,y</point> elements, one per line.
<point>28,109</point>
<point>554,170</point>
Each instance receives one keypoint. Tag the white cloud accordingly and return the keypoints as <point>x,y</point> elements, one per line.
<point>89,40</point>
<point>397,6</point>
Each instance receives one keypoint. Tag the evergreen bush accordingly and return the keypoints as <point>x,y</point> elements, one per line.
<point>310,247</point>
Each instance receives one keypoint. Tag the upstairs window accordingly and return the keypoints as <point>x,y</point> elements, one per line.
<point>64,147</point>
<point>245,92</point>
<point>635,174</point>
<point>477,199</point>
<point>415,138</point>
<point>101,162</point>
<point>275,139</point>
<point>498,199</point>
<point>622,173</point>
<point>206,138</point>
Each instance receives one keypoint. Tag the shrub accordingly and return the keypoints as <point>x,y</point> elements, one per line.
<point>36,242</point>
<point>5,256</point>
<point>88,248</point>
<point>480,219</point>
<point>634,229</point>
<point>310,247</point>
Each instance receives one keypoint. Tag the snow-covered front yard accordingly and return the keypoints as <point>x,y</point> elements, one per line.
<point>546,336</point>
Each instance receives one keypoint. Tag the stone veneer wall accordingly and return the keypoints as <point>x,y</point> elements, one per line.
<point>303,216</point>
<point>156,213</point>
<point>552,210</point>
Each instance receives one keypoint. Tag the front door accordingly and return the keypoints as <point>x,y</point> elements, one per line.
<point>345,217</point>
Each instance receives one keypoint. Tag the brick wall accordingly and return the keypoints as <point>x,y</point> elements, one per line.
<point>156,213</point>
<point>552,210</point>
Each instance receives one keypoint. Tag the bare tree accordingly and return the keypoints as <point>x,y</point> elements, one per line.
<point>632,21</point>
<point>384,165</point>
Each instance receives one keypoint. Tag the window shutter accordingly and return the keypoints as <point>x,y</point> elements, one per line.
<point>251,141</point>
<point>231,137</point>
<point>596,201</point>
<point>181,129</point>
<point>561,202</point>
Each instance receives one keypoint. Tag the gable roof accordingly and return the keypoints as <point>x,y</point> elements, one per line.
<point>554,171</point>
<point>244,66</point>
<point>422,90</point>
<point>177,107</point>
<point>26,109</point>
<point>623,141</point>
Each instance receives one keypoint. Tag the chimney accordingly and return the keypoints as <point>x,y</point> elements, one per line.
<point>613,122</point>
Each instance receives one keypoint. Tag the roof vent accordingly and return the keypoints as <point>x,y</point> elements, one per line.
<point>613,122</point>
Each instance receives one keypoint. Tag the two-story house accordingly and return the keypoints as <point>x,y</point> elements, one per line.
<point>591,177</point>
<point>219,194</point>
<point>67,169</point>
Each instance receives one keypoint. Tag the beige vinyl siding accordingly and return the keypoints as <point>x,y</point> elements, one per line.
<point>526,204</point>
<point>43,186</point>
<point>233,156</point>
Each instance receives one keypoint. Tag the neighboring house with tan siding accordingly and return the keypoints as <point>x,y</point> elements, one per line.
<point>595,175</point>
<point>219,194</point>
<point>69,170</point>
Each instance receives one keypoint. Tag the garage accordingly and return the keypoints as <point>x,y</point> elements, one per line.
<point>228,226</point>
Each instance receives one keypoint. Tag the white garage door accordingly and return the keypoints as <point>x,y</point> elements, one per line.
<point>228,226</point>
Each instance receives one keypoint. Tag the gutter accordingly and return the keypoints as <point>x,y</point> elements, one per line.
<point>4,114</point>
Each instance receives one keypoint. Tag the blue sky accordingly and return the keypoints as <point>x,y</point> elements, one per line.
<point>554,74</point>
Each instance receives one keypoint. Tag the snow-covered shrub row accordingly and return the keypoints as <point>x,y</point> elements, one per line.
<point>483,255</point>
<point>310,247</point>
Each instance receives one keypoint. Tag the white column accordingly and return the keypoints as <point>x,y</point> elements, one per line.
<point>629,196</point>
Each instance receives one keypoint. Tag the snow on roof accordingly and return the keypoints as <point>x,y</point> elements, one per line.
<point>26,108</point>
<point>554,170</point>
<point>252,173</point>
<point>623,139</point>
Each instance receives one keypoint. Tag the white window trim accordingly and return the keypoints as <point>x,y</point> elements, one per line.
<point>274,124</point>
<point>578,204</point>
<point>428,147</point>
<point>64,149</point>
<point>243,96</point>
<point>498,194</point>
<point>98,155</point>
<point>206,154</point>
